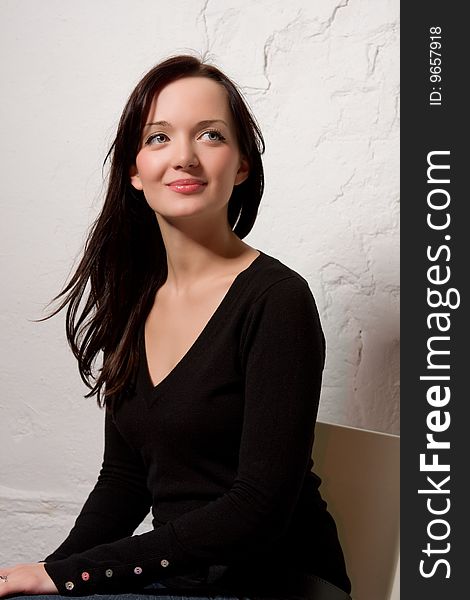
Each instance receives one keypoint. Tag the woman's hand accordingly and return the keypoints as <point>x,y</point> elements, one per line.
<point>26,579</point>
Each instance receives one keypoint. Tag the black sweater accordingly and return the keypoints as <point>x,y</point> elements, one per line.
<point>220,450</point>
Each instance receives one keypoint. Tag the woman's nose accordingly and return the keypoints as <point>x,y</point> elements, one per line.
<point>185,154</point>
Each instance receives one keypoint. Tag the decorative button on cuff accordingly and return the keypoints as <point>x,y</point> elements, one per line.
<point>69,586</point>
<point>85,576</point>
<point>164,562</point>
<point>138,570</point>
<point>109,573</point>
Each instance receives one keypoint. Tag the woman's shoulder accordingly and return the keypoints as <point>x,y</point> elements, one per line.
<point>280,309</point>
<point>275,276</point>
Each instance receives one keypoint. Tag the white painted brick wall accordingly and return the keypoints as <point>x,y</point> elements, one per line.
<point>323,80</point>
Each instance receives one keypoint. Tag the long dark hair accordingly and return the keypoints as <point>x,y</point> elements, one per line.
<point>124,261</point>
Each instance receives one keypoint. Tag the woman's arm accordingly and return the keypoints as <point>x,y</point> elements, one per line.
<point>115,507</point>
<point>118,503</point>
<point>282,356</point>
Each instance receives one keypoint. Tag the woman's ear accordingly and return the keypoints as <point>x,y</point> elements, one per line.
<point>243,171</point>
<point>135,178</point>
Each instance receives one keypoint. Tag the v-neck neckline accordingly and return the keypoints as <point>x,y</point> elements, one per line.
<point>161,385</point>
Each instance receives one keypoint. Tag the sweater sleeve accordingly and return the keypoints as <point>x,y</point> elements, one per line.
<point>282,356</point>
<point>117,504</point>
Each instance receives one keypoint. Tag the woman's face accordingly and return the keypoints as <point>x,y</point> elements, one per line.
<point>189,134</point>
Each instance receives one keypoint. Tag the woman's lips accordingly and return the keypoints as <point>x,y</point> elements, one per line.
<point>187,186</point>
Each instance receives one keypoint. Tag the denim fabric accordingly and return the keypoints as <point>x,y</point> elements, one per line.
<point>142,596</point>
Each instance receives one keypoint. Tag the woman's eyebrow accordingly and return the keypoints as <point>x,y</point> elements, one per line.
<point>200,124</point>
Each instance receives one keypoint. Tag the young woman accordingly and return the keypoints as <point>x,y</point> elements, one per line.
<point>213,355</point>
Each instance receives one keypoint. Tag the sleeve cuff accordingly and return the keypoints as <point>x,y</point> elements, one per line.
<point>101,571</point>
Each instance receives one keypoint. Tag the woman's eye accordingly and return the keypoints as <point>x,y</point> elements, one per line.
<point>160,138</point>
<point>154,138</point>
<point>213,132</point>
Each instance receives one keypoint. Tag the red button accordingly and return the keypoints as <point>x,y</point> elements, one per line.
<point>85,576</point>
